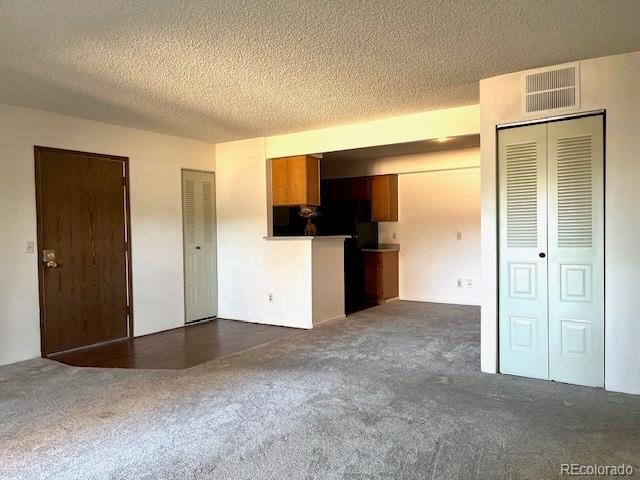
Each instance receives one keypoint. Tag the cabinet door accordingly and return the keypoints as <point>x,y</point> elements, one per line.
<point>337,190</point>
<point>390,275</point>
<point>312,181</point>
<point>522,159</point>
<point>359,189</point>
<point>384,198</point>
<point>373,277</point>
<point>576,251</point>
<point>295,181</point>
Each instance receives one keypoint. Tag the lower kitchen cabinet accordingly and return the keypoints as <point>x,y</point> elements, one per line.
<point>380,275</point>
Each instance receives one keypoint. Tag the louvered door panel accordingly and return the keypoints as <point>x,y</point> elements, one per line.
<point>207,212</point>
<point>576,251</point>
<point>523,275</point>
<point>574,174</point>
<point>522,194</point>
<point>189,211</point>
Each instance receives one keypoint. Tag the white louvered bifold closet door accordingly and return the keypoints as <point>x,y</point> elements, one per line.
<point>199,226</point>
<point>522,154</point>
<point>576,251</point>
<point>551,252</point>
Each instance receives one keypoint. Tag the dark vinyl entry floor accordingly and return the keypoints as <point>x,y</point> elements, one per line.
<point>179,348</point>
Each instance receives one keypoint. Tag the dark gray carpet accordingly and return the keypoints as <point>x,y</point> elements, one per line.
<point>393,392</point>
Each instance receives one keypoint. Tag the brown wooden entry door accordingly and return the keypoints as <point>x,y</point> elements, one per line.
<point>83,248</point>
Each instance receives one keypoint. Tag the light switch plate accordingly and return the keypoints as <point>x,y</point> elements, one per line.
<point>31,246</point>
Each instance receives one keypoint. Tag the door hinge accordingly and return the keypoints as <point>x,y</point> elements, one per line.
<point>124,181</point>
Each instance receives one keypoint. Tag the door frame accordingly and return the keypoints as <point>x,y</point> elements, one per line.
<point>184,275</point>
<point>557,118</point>
<point>37,150</point>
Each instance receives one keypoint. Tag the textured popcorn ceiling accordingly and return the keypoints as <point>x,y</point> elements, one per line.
<point>220,70</point>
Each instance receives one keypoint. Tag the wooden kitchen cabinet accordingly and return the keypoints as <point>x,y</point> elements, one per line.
<point>354,189</point>
<point>360,189</point>
<point>295,181</point>
<point>381,276</point>
<point>384,198</point>
<point>380,190</point>
<point>336,190</point>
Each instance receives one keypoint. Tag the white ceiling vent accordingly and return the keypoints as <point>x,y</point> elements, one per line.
<point>551,90</point>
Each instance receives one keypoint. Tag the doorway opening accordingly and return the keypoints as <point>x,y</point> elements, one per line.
<point>411,212</point>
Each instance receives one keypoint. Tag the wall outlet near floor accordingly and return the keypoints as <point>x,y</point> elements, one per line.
<point>469,283</point>
<point>459,283</point>
<point>31,246</point>
<point>270,297</point>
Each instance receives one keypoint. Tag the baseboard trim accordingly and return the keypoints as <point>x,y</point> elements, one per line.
<point>262,322</point>
<point>331,319</point>
<point>451,301</point>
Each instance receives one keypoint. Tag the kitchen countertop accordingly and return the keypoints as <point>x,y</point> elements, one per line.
<point>383,247</point>
<point>307,237</point>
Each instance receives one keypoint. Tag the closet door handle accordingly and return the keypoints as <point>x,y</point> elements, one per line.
<point>542,254</point>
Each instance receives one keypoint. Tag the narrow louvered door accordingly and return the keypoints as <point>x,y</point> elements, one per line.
<point>200,271</point>
<point>576,251</point>
<point>523,238</point>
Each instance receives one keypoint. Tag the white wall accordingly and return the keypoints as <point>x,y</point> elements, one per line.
<point>609,83</point>
<point>432,208</point>
<point>328,281</point>
<point>438,196</point>
<point>250,267</point>
<point>156,218</point>
<point>449,122</point>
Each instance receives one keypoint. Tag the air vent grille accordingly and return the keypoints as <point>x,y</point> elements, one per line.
<point>522,194</point>
<point>575,192</point>
<point>551,89</point>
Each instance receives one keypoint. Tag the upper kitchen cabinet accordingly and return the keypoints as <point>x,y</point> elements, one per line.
<point>384,198</point>
<point>360,189</point>
<point>295,181</point>
<point>338,190</point>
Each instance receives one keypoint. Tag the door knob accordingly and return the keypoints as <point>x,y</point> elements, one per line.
<point>542,254</point>
<point>49,258</point>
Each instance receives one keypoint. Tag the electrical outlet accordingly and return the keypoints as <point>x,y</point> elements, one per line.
<point>459,235</point>
<point>469,283</point>
<point>270,297</point>
<point>459,283</point>
<point>31,247</point>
